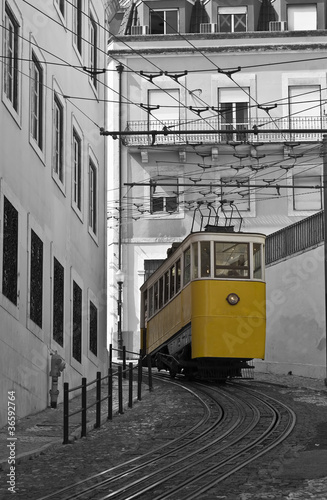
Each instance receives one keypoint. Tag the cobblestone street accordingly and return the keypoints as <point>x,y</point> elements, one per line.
<point>296,469</point>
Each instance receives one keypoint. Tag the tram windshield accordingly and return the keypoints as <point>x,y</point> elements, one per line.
<point>231,260</point>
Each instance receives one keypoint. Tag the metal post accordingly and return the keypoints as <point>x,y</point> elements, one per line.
<point>110,394</point>
<point>120,390</point>
<point>124,361</point>
<point>149,372</point>
<point>139,379</point>
<point>324,155</point>
<point>66,412</point>
<point>120,336</point>
<point>130,380</point>
<point>84,406</point>
<point>98,402</point>
<point>110,356</point>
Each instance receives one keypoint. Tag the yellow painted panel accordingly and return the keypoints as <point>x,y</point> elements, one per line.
<point>222,330</point>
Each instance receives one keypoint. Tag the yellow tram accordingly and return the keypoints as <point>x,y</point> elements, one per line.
<point>203,310</point>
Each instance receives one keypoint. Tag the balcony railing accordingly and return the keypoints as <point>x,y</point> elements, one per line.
<point>212,131</point>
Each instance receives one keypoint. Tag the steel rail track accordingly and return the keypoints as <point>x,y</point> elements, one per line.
<point>287,428</point>
<point>130,463</point>
<point>259,426</point>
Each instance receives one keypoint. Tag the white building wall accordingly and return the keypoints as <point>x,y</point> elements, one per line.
<point>45,205</point>
<point>296,327</point>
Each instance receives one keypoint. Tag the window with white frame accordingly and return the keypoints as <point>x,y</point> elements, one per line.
<point>93,197</point>
<point>10,61</point>
<point>58,302</point>
<point>10,251</point>
<point>232,19</point>
<point>77,322</point>
<point>93,328</point>
<point>164,196</point>
<point>77,25</point>
<point>302,17</point>
<point>93,50</point>
<point>235,191</point>
<point>77,170</point>
<point>307,192</point>
<point>36,279</point>
<point>164,21</point>
<point>234,112</point>
<point>37,101</point>
<point>58,138</point>
<point>305,106</point>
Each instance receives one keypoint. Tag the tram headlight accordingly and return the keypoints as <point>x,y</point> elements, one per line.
<point>232,299</point>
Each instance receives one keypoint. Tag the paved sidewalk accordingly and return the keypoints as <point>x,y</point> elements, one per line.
<point>37,432</point>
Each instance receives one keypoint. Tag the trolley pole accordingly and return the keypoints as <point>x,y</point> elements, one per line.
<point>324,155</point>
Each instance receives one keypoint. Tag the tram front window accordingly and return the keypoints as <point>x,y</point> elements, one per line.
<point>231,260</point>
<point>257,266</point>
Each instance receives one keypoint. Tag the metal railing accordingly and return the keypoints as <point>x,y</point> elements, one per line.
<point>121,372</point>
<point>295,238</point>
<point>307,130</point>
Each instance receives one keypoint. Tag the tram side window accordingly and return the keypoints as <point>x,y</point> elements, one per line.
<point>161,291</point>
<point>205,259</point>
<point>187,265</point>
<point>150,302</point>
<point>178,275</point>
<point>257,266</point>
<point>166,292</point>
<point>155,292</point>
<point>195,265</point>
<point>172,282</point>
<point>231,260</point>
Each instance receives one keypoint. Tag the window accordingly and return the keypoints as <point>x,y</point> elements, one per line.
<point>77,24</point>
<point>257,264</point>
<point>58,302</point>
<point>172,275</point>
<point>166,290</point>
<point>205,259</point>
<point>58,139</point>
<point>234,112</point>
<point>156,296</point>
<point>163,22</point>
<point>302,17</point>
<point>77,170</point>
<point>161,291</point>
<point>10,252</point>
<point>150,266</point>
<point>195,261</point>
<point>231,260</point>
<point>93,329</point>
<point>187,265</point>
<point>178,275</point>
<point>10,61</point>
<point>36,279</point>
<point>93,50</point>
<point>305,106</point>
<point>37,101</point>
<point>235,191</point>
<point>164,198</point>
<point>232,19</point>
<point>93,197</point>
<point>77,322</point>
<point>304,197</point>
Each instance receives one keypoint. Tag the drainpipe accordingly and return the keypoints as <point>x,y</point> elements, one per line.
<point>324,155</point>
<point>120,69</point>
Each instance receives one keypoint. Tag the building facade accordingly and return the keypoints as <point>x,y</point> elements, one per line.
<point>218,108</point>
<point>53,197</point>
